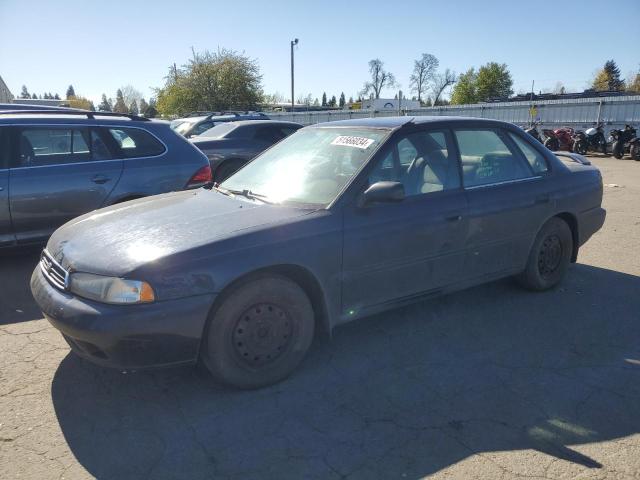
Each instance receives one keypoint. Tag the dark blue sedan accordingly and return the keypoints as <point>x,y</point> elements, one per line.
<point>336,222</point>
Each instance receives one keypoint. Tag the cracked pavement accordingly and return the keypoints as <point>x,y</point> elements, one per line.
<point>493,382</point>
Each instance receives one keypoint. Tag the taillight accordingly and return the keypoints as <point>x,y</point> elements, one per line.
<point>201,177</point>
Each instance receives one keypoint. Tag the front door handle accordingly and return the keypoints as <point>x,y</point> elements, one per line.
<point>454,218</point>
<point>100,179</point>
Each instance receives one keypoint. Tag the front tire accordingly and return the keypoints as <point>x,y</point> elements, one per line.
<point>260,333</point>
<point>618,149</point>
<point>549,258</point>
<point>552,144</point>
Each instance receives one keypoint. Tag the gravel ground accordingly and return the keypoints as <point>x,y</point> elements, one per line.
<point>493,382</point>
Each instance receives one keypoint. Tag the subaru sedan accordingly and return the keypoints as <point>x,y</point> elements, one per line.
<point>336,222</point>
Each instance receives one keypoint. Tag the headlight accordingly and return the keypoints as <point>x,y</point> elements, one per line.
<point>110,289</point>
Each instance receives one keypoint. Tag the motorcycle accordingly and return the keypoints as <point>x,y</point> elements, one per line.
<point>591,139</point>
<point>559,139</point>
<point>533,131</point>
<point>625,140</point>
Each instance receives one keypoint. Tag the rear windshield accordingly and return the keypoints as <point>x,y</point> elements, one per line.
<point>219,130</point>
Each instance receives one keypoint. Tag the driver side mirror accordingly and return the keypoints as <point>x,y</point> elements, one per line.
<point>382,192</point>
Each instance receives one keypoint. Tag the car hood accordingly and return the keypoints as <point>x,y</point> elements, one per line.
<point>119,239</point>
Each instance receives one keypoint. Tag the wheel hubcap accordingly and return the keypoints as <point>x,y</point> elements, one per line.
<point>550,255</point>
<point>262,334</point>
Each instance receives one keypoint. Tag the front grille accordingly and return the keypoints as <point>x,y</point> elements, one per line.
<point>53,271</point>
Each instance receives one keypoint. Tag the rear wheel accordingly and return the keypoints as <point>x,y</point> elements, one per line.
<point>580,146</point>
<point>552,144</point>
<point>618,149</point>
<point>635,151</point>
<point>550,256</point>
<point>260,333</point>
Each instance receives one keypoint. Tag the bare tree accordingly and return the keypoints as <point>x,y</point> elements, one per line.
<point>440,82</point>
<point>423,71</point>
<point>130,94</point>
<point>380,79</point>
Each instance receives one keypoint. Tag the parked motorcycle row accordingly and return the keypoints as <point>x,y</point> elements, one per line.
<point>622,142</point>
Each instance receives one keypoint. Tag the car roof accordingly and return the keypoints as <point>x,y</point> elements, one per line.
<point>397,122</point>
<point>240,123</point>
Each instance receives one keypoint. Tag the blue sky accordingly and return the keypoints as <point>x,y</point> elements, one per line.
<point>99,46</point>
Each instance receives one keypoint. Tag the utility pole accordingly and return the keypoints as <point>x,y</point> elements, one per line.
<point>294,42</point>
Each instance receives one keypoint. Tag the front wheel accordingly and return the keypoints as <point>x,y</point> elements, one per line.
<point>552,144</point>
<point>260,332</point>
<point>550,256</point>
<point>617,149</point>
<point>580,146</point>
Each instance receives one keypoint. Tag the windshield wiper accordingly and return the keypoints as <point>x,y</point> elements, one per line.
<point>251,195</point>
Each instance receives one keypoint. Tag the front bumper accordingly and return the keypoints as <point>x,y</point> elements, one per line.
<point>125,336</point>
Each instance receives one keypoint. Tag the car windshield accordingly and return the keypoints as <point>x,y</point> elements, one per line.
<point>310,167</point>
<point>219,130</point>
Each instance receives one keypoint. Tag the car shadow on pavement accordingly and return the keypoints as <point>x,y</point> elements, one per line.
<point>16,302</point>
<point>402,394</point>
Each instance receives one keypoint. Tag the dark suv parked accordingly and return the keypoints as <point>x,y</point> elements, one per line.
<point>230,145</point>
<point>199,122</point>
<point>55,166</point>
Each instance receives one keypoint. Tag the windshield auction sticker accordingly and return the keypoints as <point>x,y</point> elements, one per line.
<point>349,141</point>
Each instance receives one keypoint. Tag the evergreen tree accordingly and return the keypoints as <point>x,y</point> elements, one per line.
<point>324,99</point>
<point>104,106</point>
<point>55,97</point>
<point>24,93</point>
<point>333,102</point>
<point>151,111</point>
<point>133,108</point>
<point>120,106</point>
<point>350,99</point>
<point>143,106</point>
<point>34,96</point>
<point>70,92</point>
<point>342,100</point>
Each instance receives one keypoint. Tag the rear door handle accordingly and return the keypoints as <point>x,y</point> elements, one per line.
<point>100,179</point>
<point>454,218</point>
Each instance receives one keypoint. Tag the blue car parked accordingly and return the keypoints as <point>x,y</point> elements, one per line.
<point>57,165</point>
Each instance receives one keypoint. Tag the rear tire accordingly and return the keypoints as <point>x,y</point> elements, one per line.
<point>552,144</point>
<point>617,149</point>
<point>260,333</point>
<point>580,147</point>
<point>549,258</point>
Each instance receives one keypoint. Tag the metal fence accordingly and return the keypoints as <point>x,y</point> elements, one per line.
<point>615,112</point>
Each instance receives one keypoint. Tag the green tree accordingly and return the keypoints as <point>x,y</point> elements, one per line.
<point>55,97</point>
<point>120,106</point>
<point>342,101</point>
<point>25,93</point>
<point>333,102</point>
<point>350,100</point>
<point>34,96</point>
<point>493,81</point>
<point>151,111</point>
<point>105,105</point>
<point>70,92</point>
<point>465,90</point>
<point>324,99</point>
<point>380,79</point>
<point>608,79</point>
<point>80,102</point>
<point>133,108</point>
<point>221,80</point>
<point>423,71</point>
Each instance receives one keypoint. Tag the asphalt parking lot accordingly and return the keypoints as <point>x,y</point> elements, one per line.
<point>493,382</point>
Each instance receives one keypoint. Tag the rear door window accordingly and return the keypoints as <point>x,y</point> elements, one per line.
<point>535,158</point>
<point>136,142</point>
<point>486,158</point>
<point>42,146</point>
